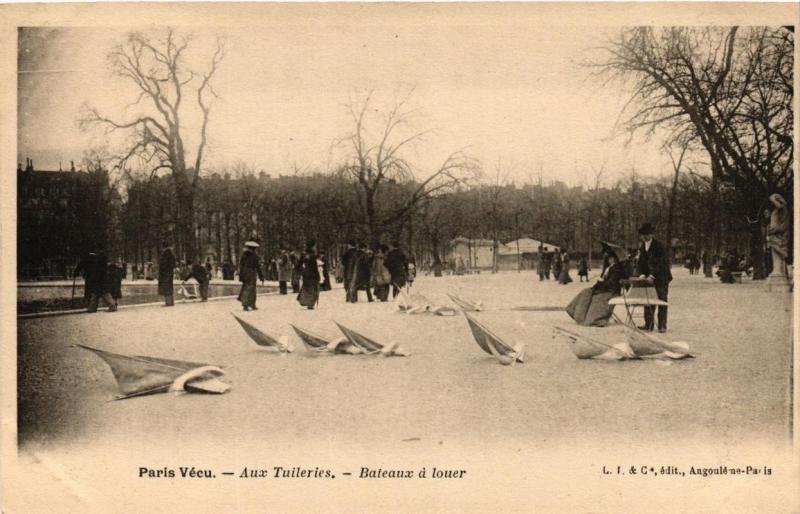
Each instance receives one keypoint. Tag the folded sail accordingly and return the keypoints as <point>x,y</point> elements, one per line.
<point>466,305</point>
<point>588,348</point>
<point>370,346</point>
<point>138,375</point>
<point>646,345</point>
<point>365,343</point>
<point>492,344</point>
<point>310,340</point>
<point>262,339</point>
<point>419,304</point>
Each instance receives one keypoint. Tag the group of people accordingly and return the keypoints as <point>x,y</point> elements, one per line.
<point>102,280</point>
<point>374,269</point>
<point>651,265</point>
<point>307,272</point>
<point>558,262</point>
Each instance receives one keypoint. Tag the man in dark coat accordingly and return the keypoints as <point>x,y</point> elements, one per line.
<point>95,274</point>
<point>166,270</point>
<point>653,264</point>
<point>249,273</point>
<point>228,269</point>
<point>397,264</point>
<point>348,269</point>
<point>115,275</point>
<point>203,277</point>
<point>360,278</point>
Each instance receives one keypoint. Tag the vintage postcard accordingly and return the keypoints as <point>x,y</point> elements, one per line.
<point>398,257</point>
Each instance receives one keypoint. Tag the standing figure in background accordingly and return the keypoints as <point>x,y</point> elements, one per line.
<point>563,273</point>
<point>326,272</point>
<point>228,270</point>
<point>166,270</point>
<point>540,265</point>
<point>249,273</point>
<point>94,269</point>
<point>203,277</point>
<point>309,272</point>
<point>348,269</point>
<point>583,270</point>
<point>115,275</point>
<point>381,278</point>
<point>272,272</point>
<point>294,256</point>
<point>653,264</point>
<point>361,276</point>
<point>557,263</point>
<point>284,270</point>
<point>412,271</point>
<point>397,264</point>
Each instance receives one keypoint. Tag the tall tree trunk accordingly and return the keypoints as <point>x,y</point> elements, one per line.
<point>757,251</point>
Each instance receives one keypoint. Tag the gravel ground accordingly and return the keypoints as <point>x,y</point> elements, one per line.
<point>448,391</point>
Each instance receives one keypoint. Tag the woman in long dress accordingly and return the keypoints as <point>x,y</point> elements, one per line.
<point>309,273</point>
<point>166,267</point>
<point>249,273</point>
<point>590,306</point>
<point>381,278</point>
<point>563,276</point>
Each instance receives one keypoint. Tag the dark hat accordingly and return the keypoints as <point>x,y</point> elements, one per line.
<point>647,228</point>
<point>609,249</point>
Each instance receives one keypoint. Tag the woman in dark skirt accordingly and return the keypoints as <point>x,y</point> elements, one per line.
<point>309,272</point>
<point>249,273</point>
<point>563,275</point>
<point>590,307</point>
<point>166,267</point>
<point>583,269</point>
<point>115,275</point>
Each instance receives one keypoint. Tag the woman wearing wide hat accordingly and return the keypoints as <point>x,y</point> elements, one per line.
<point>590,306</point>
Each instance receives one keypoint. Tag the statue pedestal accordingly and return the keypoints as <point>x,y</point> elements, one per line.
<point>778,283</point>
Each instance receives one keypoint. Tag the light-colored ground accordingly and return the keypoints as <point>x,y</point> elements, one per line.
<point>737,389</point>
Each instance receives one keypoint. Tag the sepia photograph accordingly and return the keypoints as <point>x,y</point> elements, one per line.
<point>399,257</point>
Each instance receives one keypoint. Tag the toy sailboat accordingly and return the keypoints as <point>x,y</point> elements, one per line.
<point>588,348</point>
<point>493,345</point>
<point>370,346</point>
<point>316,343</point>
<point>282,344</point>
<point>138,375</point>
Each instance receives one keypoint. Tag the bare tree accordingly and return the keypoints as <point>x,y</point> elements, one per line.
<point>728,90</point>
<point>676,168</point>
<point>377,162</point>
<point>158,69</point>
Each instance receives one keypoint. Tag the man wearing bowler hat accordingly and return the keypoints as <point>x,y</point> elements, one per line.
<point>653,264</point>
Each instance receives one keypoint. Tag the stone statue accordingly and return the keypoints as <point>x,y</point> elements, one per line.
<point>778,243</point>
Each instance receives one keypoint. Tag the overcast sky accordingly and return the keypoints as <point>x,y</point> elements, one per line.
<point>514,95</point>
